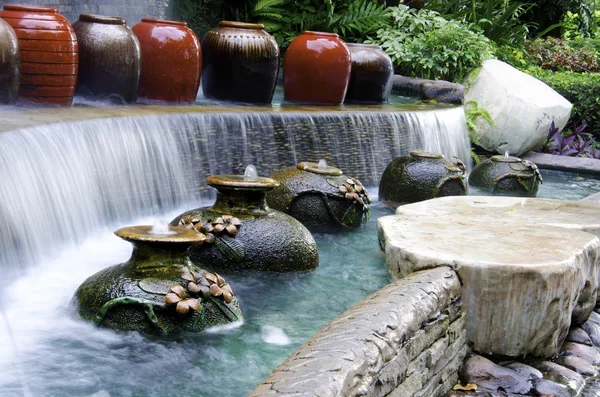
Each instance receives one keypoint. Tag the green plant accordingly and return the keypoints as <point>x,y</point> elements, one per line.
<point>472,113</point>
<point>581,89</point>
<point>423,44</point>
<point>499,20</point>
<point>557,54</point>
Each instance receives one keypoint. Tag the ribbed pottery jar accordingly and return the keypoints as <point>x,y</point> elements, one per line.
<point>171,61</point>
<point>507,175</point>
<point>9,64</point>
<point>243,233</point>
<point>110,59</point>
<point>157,290</point>
<point>422,176</point>
<point>320,195</point>
<point>371,75</point>
<point>240,63</point>
<point>316,69</point>
<point>49,54</point>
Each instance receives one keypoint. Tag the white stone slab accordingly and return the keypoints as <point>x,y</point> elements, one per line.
<point>525,278</point>
<point>521,106</point>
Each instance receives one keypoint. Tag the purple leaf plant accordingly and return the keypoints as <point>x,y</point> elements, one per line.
<point>577,143</point>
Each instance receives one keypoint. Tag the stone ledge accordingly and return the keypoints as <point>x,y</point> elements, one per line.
<point>364,351</point>
<point>564,163</point>
<point>438,90</point>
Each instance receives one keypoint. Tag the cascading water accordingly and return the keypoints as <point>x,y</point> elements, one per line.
<point>62,181</point>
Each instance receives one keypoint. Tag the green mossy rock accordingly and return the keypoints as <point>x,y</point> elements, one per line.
<point>320,197</point>
<point>507,176</point>
<point>422,176</point>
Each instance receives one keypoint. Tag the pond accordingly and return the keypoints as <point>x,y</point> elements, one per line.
<point>46,351</point>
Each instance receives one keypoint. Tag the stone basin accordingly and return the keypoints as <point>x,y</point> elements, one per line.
<point>529,267</point>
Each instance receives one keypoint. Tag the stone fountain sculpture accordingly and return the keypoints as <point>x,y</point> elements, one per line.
<point>157,290</point>
<point>240,232</point>
<point>507,175</point>
<point>320,195</point>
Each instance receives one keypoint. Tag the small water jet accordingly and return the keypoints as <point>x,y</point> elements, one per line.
<point>161,228</point>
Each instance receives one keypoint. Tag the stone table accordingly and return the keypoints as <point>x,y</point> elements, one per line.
<point>528,267</point>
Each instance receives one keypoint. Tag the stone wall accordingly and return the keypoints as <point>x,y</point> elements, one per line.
<point>132,11</point>
<point>407,339</point>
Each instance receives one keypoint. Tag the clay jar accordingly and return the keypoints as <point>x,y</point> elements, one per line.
<point>157,290</point>
<point>316,69</point>
<point>422,176</point>
<point>243,233</point>
<point>109,59</point>
<point>320,195</point>
<point>49,54</point>
<point>240,63</point>
<point>507,175</point>
<point>9,64</point>
<point>371,76</point>
<point>171,61</point>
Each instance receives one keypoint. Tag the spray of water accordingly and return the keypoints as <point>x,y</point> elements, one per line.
<point>250,173</point>
<point>322,164</point>
<point>161,228</point>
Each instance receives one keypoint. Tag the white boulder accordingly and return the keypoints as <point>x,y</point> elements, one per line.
<point>521,106</point>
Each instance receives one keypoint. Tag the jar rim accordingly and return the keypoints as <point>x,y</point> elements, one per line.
<point>108,20</point>
<point>141,234</point>
<point>164,21</point>
<point>241,25</point>
<point>237,182</point>
<point>324,34</point>
<point>427,155</point>
<point>15,7</point>
<point>500,158</point>
<point>315,169</point>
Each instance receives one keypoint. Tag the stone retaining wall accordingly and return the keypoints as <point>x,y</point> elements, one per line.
<point>132,11</point>
<point>407,339</point>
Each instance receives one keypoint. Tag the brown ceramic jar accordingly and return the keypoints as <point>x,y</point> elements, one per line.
<point>48,51</point>
<point>110,59</point>
<point>171,61</point>
<point>240,63</point>
<point>9,64</point>
<point>316,69</point>
<point>371,75</point>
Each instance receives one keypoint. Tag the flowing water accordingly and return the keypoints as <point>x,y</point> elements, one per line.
<point>61,182</point>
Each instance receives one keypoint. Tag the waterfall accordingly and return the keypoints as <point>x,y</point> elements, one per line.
<point>62,181</point>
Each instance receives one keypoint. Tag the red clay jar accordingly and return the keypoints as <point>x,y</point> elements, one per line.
<point>109,59</point>
<point>9,64</point>
<point>371,76</point>
<point>171,61</point>
<point>316,69</point>
<point>49,54</point>
<point>240,63</point>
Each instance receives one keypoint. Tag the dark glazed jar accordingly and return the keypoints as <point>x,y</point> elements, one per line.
<point>422,176</point>
<point>157,290</point>
<point>9,64</point>
<point>320,195</point>
<point>49,54</point>
<point>240,63</point>
<point>507,175</point>
<point>316,69</point>
<point>171,61</point>
<point>109,59</point>
<point>371,75</point>
<point>243,233</point>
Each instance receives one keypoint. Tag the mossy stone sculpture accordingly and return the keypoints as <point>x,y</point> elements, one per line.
<point>157,290</point>
<point>320,195</point>
<point>240,232</point>
<point>507,175</point>
<point>422,176</point>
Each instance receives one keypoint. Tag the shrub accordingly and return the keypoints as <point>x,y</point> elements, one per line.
<point>581,89</point>
<point>558,55</point>
<point>423,44</point>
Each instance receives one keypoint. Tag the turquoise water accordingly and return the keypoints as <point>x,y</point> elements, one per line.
<point>45,351</point>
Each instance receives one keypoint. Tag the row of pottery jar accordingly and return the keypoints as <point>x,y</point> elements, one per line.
<point>43,59</point>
